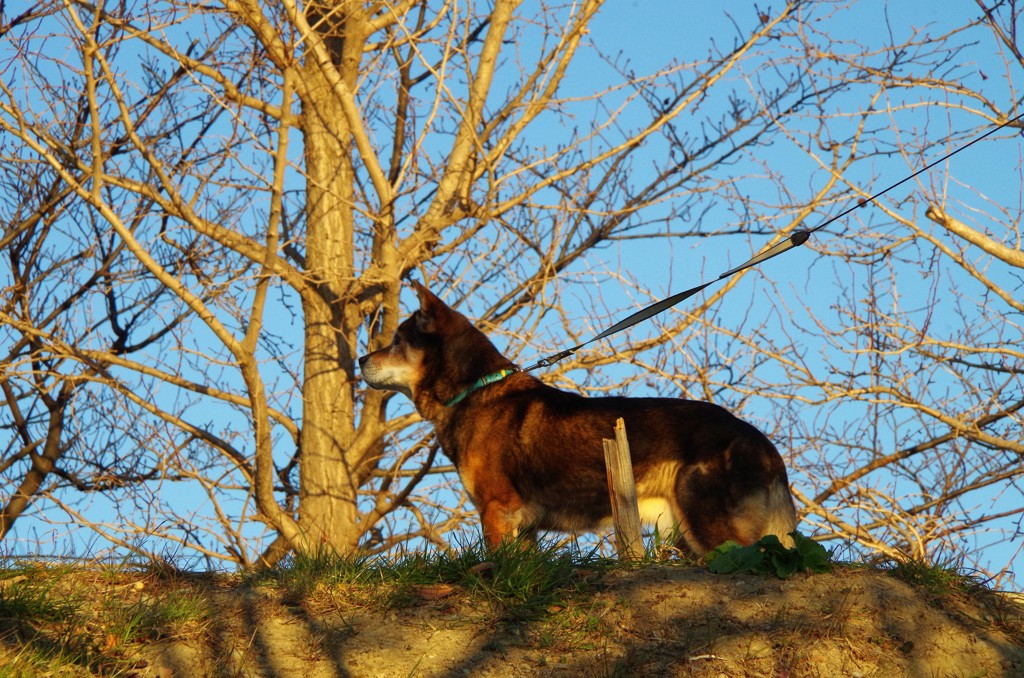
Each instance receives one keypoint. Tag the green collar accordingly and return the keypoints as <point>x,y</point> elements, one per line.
<point>479,384</point>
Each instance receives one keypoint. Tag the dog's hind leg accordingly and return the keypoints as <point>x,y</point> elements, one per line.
<point>740,495</point>
<point>660,515</point>
<point>769,511</point>
<point>762,512</point>
<point>779,513</point>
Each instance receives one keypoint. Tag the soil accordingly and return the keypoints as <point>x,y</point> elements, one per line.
<point>652,621</point>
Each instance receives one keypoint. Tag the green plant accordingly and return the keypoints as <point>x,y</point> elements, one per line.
<point>938,580</point>
<point>523,579</point>
<point>154,617</point>
<point>28,598</point>
<point>46,625</point>
<point>769,556</point>
<point>302,573</point>
<point>528,579</point>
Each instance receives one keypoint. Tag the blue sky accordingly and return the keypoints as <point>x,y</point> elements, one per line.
<point>651,35</point>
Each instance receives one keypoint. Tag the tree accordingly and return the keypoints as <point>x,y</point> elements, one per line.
<point>932,333</point>
<point>217,207</point>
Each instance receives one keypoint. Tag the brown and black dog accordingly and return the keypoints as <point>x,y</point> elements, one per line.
<point>531,456</point>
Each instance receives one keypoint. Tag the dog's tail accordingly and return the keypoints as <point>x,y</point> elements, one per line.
<point>781,512</point>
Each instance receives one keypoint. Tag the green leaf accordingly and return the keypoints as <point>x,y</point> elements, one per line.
<point>738,559</point>
<point>769,556</point>
<point>721,549</point>
<point>813,555</point>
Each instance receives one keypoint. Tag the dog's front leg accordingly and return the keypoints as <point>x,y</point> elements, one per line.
<point>501,509</point>
<point>502,518</point>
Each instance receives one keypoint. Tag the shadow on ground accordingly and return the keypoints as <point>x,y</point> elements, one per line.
<point>655,621</point>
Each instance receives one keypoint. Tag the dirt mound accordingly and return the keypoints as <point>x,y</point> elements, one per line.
<point>654,621</point>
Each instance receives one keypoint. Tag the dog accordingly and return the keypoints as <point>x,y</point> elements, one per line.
<point>530,456</point>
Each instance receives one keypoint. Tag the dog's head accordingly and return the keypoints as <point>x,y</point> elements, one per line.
<point>425,348</point>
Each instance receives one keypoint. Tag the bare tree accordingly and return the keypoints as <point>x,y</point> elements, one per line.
<point>217,206</point>
<point>905,385</point>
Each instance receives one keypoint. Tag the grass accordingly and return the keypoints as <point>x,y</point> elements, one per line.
<point>88,620</point>
<point>522,580</point>
<point>937,580</point>
<point>947,587</point>
<point>26,609</point>
<point>51,620</point>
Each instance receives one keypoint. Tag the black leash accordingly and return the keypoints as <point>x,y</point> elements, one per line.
<point>797,238</point>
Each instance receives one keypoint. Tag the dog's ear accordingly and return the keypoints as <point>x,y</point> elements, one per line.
<point>432,309</point>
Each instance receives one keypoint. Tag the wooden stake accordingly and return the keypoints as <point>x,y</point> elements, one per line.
<point>622,490</point>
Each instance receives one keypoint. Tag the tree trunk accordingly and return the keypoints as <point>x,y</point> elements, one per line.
<point>328,472</point>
